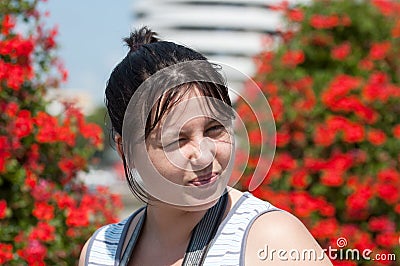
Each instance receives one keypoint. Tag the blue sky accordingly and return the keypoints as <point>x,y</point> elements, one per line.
<point>90,40</point>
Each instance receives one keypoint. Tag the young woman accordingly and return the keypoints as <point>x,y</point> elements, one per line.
<point>172,119</point>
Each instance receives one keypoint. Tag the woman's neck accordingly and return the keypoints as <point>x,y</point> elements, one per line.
<point>168,224</point>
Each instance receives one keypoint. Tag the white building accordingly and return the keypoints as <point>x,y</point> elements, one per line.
<point>226,31</point>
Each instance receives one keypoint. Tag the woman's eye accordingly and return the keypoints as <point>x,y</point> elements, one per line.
<point>216,127</point>
<point>175,143</point>
<point>215,131</point>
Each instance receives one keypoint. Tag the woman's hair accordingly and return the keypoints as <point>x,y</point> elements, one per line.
<point>148,55</point>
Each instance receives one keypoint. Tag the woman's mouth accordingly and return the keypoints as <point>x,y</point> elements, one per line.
<point>204,179</point>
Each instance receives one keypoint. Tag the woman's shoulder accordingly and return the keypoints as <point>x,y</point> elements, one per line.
<point>280,231</point>
<point>103,240</point>
<point>246,201</point>
<point>106,239</point>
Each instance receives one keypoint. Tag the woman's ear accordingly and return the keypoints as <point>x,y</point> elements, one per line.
<point>118,141</point>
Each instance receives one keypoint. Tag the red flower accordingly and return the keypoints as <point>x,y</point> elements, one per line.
<point>341,51</point>
<point>299,137</point>
<point>43,211</point>
<point>378,51</point>
<point>321,39</point>
<point>332,178</point>
<point>7,24</point>
<point>282,138</point>
<point>377,88</point>
<point>366,64</point>
<point>389,193</point>
<point>277,107</point>
<point>397,208</point>
<point>70,166</point>
<point>387,240</point>
<point>324,22</point>
<point>389,176</point>
<point>303,203</point>
<point>270,88</point>
<point>34,253</point>
<point>353,132</point>
<point>386,7</point>
<point>50,42</point>
<point>396,30</point>
<point>339,87</point>
<point>253,161</point>
<point>324,136</point>
<point>396,131</point>
<point>77,217</point>
<point>376,137</point>
<point>363,241</point>
<point>299,178</point>
<point>325,228</point>
<point>31,179</point>
<point>92,132</point>
<point>64,201</point>
<point>255,137</point>
<point>381,224</point>
<point>42,190</point>
<point>262,62</point>
<point>43,232</point>
<point>4,152</point>
<point>314,164</point>
<point>365,113</point>
<point>345,20</point>
<point>327,209</point>
<point>359,199</point>
<point>295,14</point>
<point>66,135</point>
<point>11,109</point>
<point>23,124</point>
<point>6,253</point>
<point>285,161</point>
<point>336,123</point>
<point>3,208</point>
<point>293,58</point>
<point>47,126</point>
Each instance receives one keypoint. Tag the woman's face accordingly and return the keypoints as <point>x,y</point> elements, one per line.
<point>191,146</point>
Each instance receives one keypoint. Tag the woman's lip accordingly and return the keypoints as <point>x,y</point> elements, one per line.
<point>204,179</point>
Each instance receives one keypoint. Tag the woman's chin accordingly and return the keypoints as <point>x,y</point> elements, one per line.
<point>196,208</point>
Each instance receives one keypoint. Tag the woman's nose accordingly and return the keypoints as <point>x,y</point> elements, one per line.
<point>201,153</point>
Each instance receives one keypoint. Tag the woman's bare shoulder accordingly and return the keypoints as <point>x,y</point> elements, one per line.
<point>82,257</point>
<point>278,238</point>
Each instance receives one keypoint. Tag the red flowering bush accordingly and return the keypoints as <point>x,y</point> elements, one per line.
<point>46,213</point>
<point>333,84</point>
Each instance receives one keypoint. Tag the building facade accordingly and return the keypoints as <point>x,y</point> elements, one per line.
<point>226,31</point>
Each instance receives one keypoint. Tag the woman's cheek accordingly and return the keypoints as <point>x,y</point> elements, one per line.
<point>224,153</point>
<point>168,164</point>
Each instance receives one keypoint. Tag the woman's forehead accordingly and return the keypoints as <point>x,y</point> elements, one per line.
<point>191,106</point>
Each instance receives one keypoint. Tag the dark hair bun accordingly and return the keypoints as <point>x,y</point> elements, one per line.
<point>140,37</point>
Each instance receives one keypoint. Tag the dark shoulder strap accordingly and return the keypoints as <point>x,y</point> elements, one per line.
<point>132,241</point>
<point>204,232</point>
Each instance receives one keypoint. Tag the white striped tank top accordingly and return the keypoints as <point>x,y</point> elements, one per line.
<point>227,247</point>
